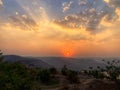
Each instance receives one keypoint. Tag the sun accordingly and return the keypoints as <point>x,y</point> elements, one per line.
<point>67,52</point>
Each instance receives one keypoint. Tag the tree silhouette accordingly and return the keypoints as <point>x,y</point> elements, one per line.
<point>1,56</point>
<point>111,72</point>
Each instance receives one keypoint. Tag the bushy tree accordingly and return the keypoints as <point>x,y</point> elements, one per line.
<point>15,76</point>
<point>1,56</point>
<point>72,76</point>
<point>44,76</point>
<point>53,70</point>
<point>64,70</point>
<point>111,72</point>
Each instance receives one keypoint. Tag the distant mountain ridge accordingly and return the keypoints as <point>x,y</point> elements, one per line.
<point>57,62</point>
<point>72,63</point>
<point>28,61</point>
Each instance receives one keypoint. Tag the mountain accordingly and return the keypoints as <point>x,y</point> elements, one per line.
<point>57,62</point>
<point>72,63</point>
<point>28,61</point>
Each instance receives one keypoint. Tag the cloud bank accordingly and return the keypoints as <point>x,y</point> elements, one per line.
<point>91,15</point>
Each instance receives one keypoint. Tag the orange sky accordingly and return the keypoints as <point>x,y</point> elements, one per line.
<point>47,37</point>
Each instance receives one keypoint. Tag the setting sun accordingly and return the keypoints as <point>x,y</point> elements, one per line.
<point>67,52</point>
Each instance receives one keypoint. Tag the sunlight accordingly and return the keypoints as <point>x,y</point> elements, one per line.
<point>107,1</point>
<point>67,52</point>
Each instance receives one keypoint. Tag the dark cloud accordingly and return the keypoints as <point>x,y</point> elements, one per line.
<point>90,17</point>
<point>24,22</point>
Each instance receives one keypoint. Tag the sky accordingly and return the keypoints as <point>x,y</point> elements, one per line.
<point>70,28</point>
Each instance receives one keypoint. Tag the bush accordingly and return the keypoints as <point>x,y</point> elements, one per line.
<point>64,70</point>
<point>110,72</point>
<point>15,76</point>
<point>1,56</point>
<point>44,76</point>
<point>53,70</point>
<point>72,76</point>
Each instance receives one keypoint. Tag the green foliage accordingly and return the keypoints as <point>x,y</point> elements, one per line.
<point>111,71</point>
<point>72,76</point>
<point>44,76</point>
<point>96,74</point>
<point>53,70</point>
<point>64,70</point>
<point>15,76</point>
<point>1,56</point>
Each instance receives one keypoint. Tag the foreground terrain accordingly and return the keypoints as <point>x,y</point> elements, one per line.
<point>23,73</point>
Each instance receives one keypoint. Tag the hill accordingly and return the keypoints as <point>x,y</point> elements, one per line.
<point>28,61</point>
<point>57,62</point>
<point>72,63</point>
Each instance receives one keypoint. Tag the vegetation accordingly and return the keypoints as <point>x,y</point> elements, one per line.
<point>64,70</point>
<point>1,57</point>
<point>110,72</point>
<point>16,76</point>
<point>72,76</point>
<point>53,70</point>
<point>46,77</point>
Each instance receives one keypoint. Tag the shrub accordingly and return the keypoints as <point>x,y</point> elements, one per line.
<point>72,76</point>
<point>110,72</point>
<point>53,70</point>
<point>64,70</point>
<point>15,76</point>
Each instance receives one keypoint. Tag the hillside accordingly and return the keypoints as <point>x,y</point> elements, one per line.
<point>28,61</point>
<point>57,62</point>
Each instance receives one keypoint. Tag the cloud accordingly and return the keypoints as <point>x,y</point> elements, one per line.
<point>23,22</point>
<point>1,3</point>
<point>115,3</point>
<point>82,2</point>
<point>66,6</point>
<point>90,17</point>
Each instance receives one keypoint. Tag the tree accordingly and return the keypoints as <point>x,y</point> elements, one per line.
<point>111,72</point>
<point>44,76</point>
<point>53,70</point>
<point>64,70</point>
<point>72,76</point>
<point>1,56</point>
<point>15,76</point>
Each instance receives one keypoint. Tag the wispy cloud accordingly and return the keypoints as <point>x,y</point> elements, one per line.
<point>66,6</point>
<point>1,3</point>
<point>82,2</point>
<point>90,18</point>
<point>23,22</point>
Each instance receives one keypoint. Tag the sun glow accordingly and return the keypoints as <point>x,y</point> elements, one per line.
<point>67,52</point>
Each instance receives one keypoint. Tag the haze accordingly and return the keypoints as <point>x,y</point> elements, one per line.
<point>60,27</point>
